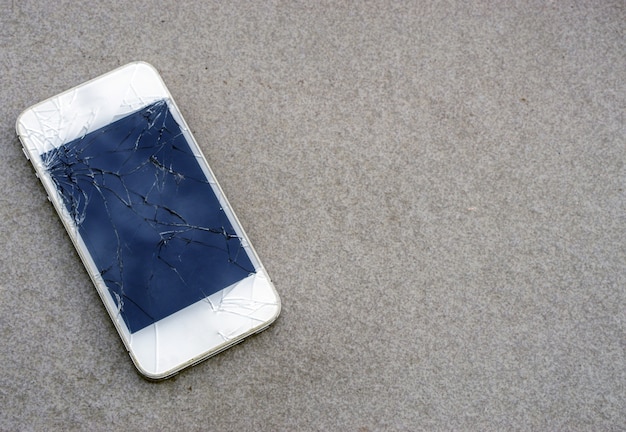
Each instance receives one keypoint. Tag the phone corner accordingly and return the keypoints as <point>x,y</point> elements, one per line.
<point>153,376</point>
<point>144,64</point>
<point>279,307</point>
<point>19,123</point>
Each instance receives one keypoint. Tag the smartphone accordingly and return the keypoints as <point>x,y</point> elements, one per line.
<point>164,249</point>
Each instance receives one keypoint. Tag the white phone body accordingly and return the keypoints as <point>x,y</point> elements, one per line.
<point>167,318</point>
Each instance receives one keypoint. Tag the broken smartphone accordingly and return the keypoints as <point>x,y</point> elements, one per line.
<point>166,253</point>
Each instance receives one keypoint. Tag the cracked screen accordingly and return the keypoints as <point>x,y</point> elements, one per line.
<point>148,215</point>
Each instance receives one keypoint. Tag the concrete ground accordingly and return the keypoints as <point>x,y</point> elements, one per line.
<point>438,191</point>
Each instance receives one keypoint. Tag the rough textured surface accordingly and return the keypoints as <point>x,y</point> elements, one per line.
<point>438,191</point>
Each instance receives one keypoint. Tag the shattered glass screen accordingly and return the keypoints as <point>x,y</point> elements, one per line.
<point>148,215</point>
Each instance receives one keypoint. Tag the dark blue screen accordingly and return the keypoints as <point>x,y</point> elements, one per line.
<point>148,215</point>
